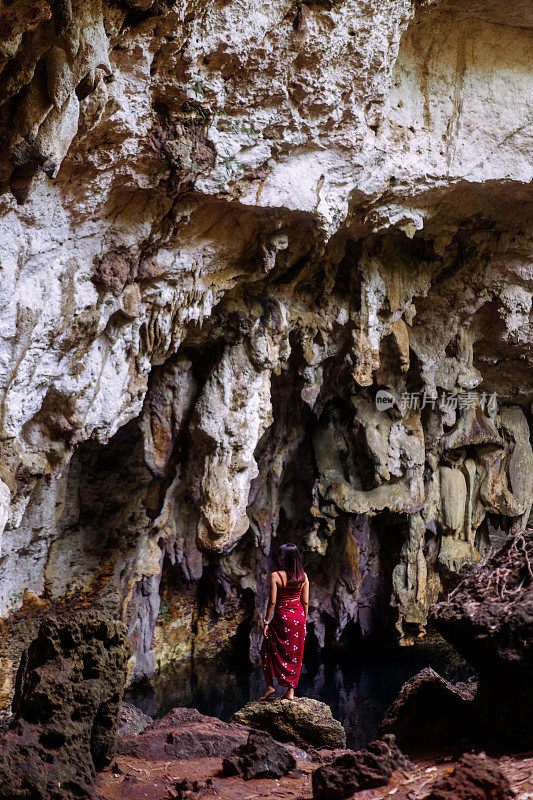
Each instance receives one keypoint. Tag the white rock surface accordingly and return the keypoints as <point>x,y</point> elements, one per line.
<point>168,169</point>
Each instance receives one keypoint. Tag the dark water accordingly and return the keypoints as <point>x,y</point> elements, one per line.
<point>359,687</point>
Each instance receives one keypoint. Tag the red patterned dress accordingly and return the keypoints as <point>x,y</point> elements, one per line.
<point>282,650</point>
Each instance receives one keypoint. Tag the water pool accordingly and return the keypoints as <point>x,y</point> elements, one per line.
<point>358,686</point>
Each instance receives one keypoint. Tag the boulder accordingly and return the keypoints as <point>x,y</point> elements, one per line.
<point>303,721</point>
<point>488,618</point>
<point>193,790</point>
<point>260,757</point>
<point>430,710</point>
<point>184,733</point>
<point>354,771</point>
<point>475,777</point>
<point>66,707</point>
<point>132,720</point>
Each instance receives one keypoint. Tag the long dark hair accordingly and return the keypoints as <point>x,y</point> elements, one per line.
<point>291,561</point>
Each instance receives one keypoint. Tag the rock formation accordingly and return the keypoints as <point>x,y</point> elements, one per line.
<point>66,708</point>
<point>353,772</point>
<point>132,720</point>
<point>193,790</point>
<point>266,276</point>
<point>305,722</point>
<point>489,619</point>
<point>475,777</point>
<point>431,712</point>
<point>166,778</point>
<point>260,757</point>
<point>184,733</point>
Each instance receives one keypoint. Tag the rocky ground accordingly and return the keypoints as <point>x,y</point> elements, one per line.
<point>266,275</point>
<point>142,780</point>
<point>154,771</point>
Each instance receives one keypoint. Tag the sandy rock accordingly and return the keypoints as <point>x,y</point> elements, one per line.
<point>302,721</point>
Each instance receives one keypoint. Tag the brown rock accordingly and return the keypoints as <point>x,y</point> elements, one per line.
<point>193,790</point>
<point>66,707</point>
<point>113,271</point>
<point>429,711</point>
<point>260,757</point>
<point>475,777</point>
<point>184,733</point>
<point>364,769</point>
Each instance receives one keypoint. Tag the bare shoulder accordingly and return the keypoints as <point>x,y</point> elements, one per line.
<point>274,577</point>
<point>306,577</point>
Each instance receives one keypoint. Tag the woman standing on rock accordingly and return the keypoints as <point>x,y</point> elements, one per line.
<point>284,629</point>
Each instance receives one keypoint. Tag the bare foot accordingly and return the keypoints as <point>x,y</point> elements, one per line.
<point>289,694</point>
<point>268,694</point>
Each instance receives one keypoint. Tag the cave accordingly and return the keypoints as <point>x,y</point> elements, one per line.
<point>266,280</point>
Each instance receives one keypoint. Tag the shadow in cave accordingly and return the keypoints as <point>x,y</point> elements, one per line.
<point>357,683</point>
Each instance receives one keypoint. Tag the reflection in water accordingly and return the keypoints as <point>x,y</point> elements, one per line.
<point>358,688</point>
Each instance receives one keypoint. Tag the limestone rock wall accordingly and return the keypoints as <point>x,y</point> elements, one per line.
<point>226,230</point>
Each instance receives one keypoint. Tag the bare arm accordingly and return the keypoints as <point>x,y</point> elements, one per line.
<point>305,596</point>
<point>271,601</point>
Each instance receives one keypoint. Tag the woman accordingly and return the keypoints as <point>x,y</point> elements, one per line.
<point>284,629</point>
